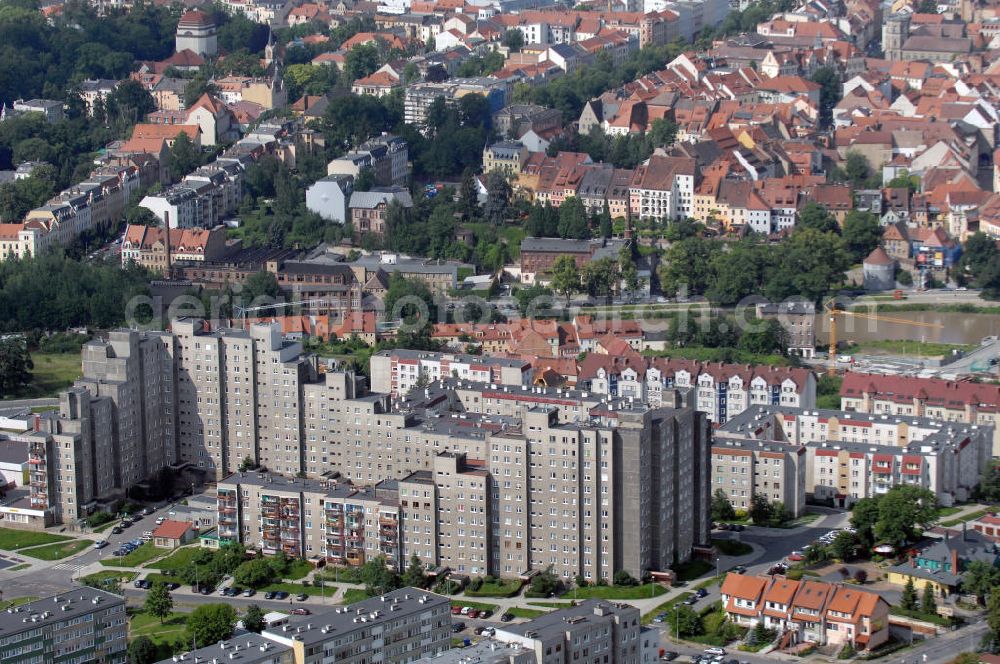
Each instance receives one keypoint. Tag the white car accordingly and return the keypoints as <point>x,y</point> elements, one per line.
<point>465,610</point>
<point>100,544</point>
<point>714,651</point>
<point>160,520</point>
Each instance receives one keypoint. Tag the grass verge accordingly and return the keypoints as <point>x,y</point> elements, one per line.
<point>177,560</point>
<point>143,554</point>
<point>57,551</point>
<point>666,607</point>
<point>692,570</point>
<point>13,540</point>
<point>16,601</point>
<point>968,517</point>
<point>142,624</point>
<point>479,606</point>
<point>521,612</point>
<point>617,592</point>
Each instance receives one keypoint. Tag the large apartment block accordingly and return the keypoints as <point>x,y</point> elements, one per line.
<point>623,487</point>
<point>850,455</point>
<point>744,468</point>
<point>76,627</point>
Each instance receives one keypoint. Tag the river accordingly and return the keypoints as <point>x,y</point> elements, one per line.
<point>956,328</point>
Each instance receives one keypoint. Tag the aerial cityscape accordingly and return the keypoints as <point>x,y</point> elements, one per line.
<point>499,331</point>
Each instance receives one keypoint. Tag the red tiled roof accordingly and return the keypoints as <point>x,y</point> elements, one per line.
<point>172,529</point>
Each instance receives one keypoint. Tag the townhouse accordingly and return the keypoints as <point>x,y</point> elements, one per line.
<point>157,249</point>
<point>399,370</point>
<point>807,611</point>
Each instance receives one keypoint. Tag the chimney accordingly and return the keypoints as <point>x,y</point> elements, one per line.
<point>954,562</point>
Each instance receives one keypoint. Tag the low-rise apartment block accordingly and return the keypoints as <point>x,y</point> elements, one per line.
<point>808,611</point>
<point>82,625</point>
<point>743,469</point>
<point>398,627</point>
<point>594,630</point>
<point>850,456</point>
<point>399,370</point>
<point>945,400</point>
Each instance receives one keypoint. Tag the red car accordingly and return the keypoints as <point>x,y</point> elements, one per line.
<point>456,610</point>
<point>301,612</point>
<point>473,613</point>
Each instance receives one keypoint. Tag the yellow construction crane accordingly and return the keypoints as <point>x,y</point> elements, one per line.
<point>833,313</point>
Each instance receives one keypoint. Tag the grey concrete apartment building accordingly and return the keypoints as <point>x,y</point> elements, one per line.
<point>77,627</point>
<point>623,487</point>
<point>401,626</point>
<point>593,631</point>
<point>744,468</point>
<point>247,648</point>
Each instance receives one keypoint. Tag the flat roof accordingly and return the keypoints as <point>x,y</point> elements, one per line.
<point>56,608</point>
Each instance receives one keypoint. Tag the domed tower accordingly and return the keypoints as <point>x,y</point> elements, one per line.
<point>198,32</point>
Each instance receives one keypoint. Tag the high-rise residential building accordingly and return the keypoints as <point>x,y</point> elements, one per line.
<point>623,487</point>
<point>76,627</point>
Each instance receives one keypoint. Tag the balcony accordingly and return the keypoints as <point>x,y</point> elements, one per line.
<point>387,521</point>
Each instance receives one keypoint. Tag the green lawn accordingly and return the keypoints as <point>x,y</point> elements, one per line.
<point>18,568</point>
<point>520,612</point>
<point>296,588</point>
<point>104,526</point>
<point>143,554</point>
<point>692,570</point>
<point>968,517</point>
<point>905,348</point>
<point>352,595</point>
<point>12,540</point>
<point>479,606</point>
<point>616,592</point>
<point>502,588</point>
<point>551,605</point>
<point>98,579</point>
<point>177,560</point>
<point>947,511</point>
<point>16,601</point>
<point>298,569</point>
<point>666,607</point>
<point>52,372</point>
<point>808,517</point>
<point>142,624</point>
<point>57,551</point>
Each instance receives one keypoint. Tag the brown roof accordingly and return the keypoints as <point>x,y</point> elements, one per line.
<point>195,19</point>
<point>878,257</point>
<point>170,529</point>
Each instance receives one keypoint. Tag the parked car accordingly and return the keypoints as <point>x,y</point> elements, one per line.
<point>269,594</point>
<point>301,597</point>
<point>172,585</point>
<point>691,600</point>
<point>249,592</point>
<point>668,656</point>
<point>506,617</point>
<point>455,610</point>
<point>117,530</point>
<point>206,590</point>
<point>473,613</point>
<point>100,544</point>
<point>701,592</point>
<point>483,615</point>
<point>280,594</point>
<point>714,650</point>
<point>301,611</point>
<point>465,610</point>
<point>144,584</point>
<point>160,520</point>
<point>147,511</point>
<point>660,617</point>
<point>740,569</point>
<point>136,517</point>
<point>457,627</point>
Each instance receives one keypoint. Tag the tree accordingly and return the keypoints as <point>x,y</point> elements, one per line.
<point>530,299</point>
<point>158,602</point>
<point>623,578</point>
<point>815,216</point>
<point>830,91</point>
<point>687,266</point>
<point>436,74</point>
<point>688,622</point>
<point>909,598</point>
<point>184,156</point>
<point>545,583</point>
<point>766,337</point>
<point>760,510</point>
<point>600,278</point>
<point>722,509</point>
<point>260,284</point>
<point>254,573</point>
<point>565,276</point>
<point>809,264</point>
<point>993,612</point>
<point>513,39</point>
<point>142,651</point>
<point>211,623</point>
<point>905,511</point>
<point>862,233</point>
<point>409,294</point>
<point>414,575</point>
<point>981,579</point>
<point>362,60</point>
<point>497,198</point>
<point>378,577</point>
<point>989,482</point>
<point>253,619</point>
<point>927,603</point>
<point>844,546</point>
<point>857,169</point>
<point>469,195</point>
<point>864,515</point>
<point>15,365</point>
<point>573,219</point>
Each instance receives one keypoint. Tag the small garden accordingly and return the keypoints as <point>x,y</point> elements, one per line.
<point>493,587</point>
<point>57,551</point>
<point>142,554</point>
<point>710,626</point>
